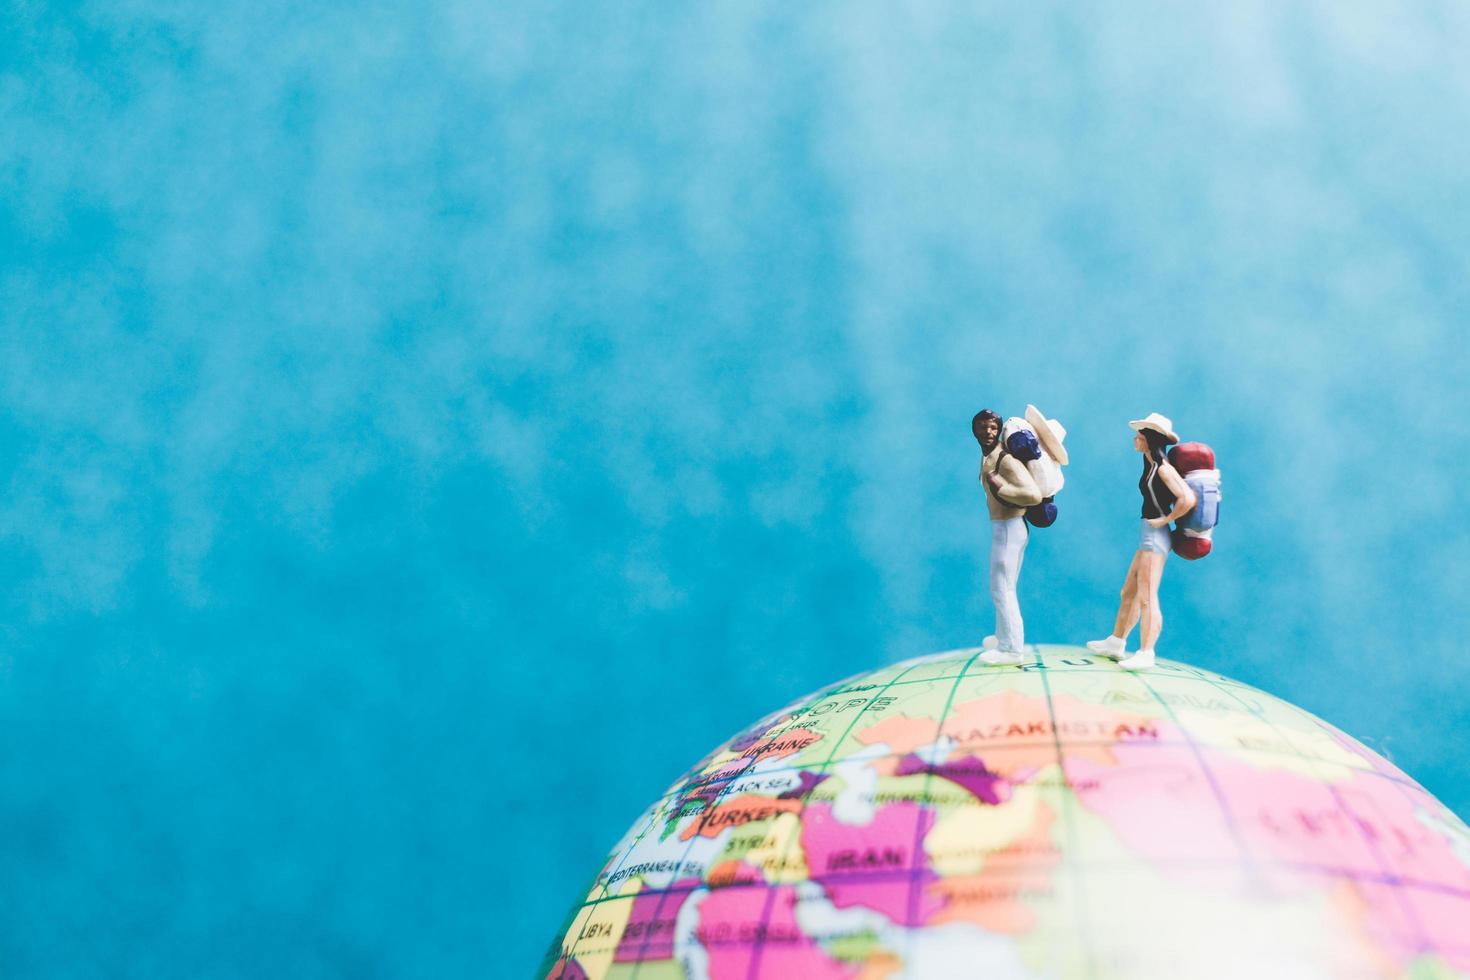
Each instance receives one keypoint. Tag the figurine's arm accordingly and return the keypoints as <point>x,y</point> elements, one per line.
<point>1013,484</point>
<point>1183,496</point>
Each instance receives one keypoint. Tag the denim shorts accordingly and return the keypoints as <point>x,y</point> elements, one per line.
<point>1155,539</point>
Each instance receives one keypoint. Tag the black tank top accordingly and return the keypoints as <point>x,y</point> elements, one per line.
<point>1158,499</point>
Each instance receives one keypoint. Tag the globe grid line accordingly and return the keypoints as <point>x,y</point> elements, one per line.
<point>1103,664</point>
<point>755,956</point>
<point>559,945</point>
<point>902,874</point>
<point>1247,855</point>
<point>1410,914</point>
<point>628,852</point>
<point>663,895</point>
<point>1385,876</point>
<point>1177,670</point>
<point>880,877</point>
<point>1069,818</point>
<point>1365,769</point>
<point>1408,911</point>
<point>1325,870</point>
<point>571,951</point>
<point>1380,878</point>
<point>916,867</point>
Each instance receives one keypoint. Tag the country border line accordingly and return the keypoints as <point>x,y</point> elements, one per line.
<point>918,860</point>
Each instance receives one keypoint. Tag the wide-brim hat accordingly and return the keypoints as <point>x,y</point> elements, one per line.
<point>1049,432</point>
<point>1161,424</point>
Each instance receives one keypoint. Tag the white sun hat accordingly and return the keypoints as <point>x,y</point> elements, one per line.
<point>1161,424</point>
<point>1049,432</point>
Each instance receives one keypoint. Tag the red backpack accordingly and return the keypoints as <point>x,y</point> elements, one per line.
<point>1195,462</point>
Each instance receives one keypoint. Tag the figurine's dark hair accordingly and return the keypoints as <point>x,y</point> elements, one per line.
<point>981,417</point>
<point>1158,443</point>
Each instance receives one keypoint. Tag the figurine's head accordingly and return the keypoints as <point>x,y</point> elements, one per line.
<point>1155,444</point>
<point>1153,435</point>
<point>986,427</point>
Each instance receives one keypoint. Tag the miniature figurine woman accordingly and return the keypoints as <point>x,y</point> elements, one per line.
<point>1166,498</point>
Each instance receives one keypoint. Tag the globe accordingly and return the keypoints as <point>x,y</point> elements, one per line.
<point>1063,818</point>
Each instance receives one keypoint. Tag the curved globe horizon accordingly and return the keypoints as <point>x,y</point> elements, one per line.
<point>1062,818</point>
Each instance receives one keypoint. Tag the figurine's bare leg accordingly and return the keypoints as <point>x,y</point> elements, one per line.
<point>1150,571</point>
<point>1128,608</point>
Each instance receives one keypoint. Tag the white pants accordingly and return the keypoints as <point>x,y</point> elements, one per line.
<point>1007,547</point>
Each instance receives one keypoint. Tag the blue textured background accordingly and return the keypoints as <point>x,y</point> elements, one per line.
<point>427,428</point>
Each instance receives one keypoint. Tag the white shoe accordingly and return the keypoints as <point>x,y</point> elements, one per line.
<point>990,642</point>
<point>1142,660</point>
<point>1002,658</point>
<point>1112,647</point>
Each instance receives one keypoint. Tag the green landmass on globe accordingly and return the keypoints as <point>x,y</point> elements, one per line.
<point>1060,818</point>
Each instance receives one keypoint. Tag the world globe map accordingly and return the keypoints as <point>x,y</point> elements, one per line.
<point>1062,818</point>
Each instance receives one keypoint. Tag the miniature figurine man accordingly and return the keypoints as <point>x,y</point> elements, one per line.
<point>1009,490</point>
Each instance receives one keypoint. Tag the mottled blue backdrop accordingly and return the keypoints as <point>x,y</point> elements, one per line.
<point>428,428</point>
